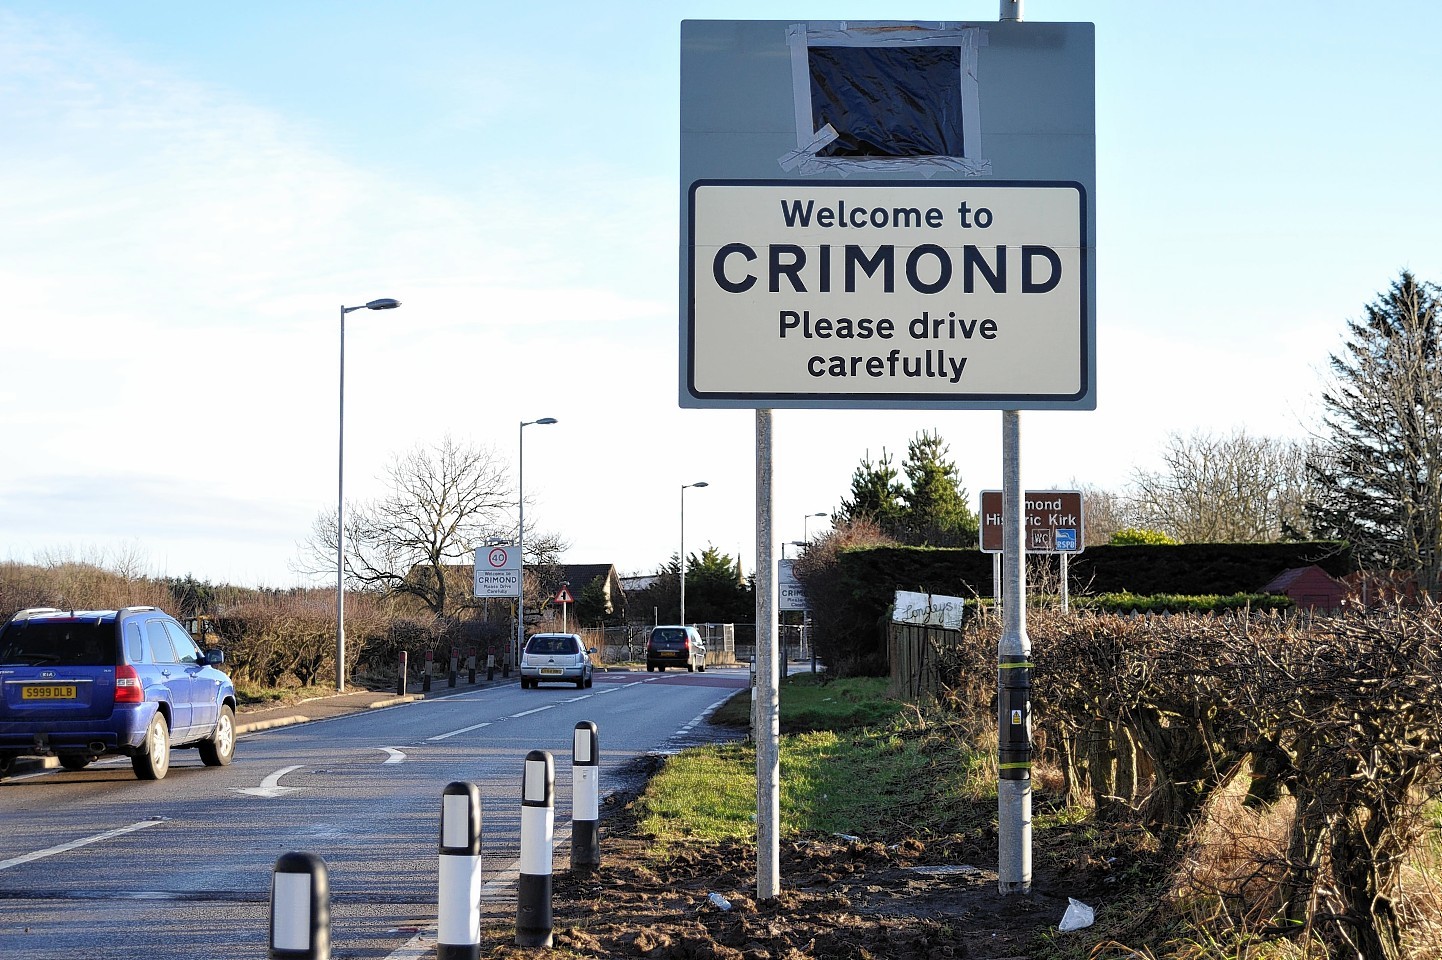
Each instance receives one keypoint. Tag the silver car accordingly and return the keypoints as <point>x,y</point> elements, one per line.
<point>556,657</point>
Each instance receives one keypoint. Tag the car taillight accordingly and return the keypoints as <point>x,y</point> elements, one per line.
<point>127,685</point>
<point>686,644</point>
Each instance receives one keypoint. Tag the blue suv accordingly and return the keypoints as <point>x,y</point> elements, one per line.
<point>82,684</point>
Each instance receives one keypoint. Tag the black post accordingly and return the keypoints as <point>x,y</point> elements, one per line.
<point>533,886</point>
<point>585,798</point>
<point>300,908</point>
<point>458,924</point>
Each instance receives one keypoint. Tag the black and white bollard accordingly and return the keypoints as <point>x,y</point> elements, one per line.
<point>455,667</point>
<point>471,664</point>
<point>458,925</point>
<point>538,821</point>
<point>585,798</point>
<point>426,675</point>
<point>401,672</point>
<point>300,908</point>
<point>490,666</point>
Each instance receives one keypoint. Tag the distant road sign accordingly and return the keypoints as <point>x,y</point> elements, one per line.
<point>498,571</point>
<point>1052,521</point>
<point>790,594</point>
<point>563,595</point>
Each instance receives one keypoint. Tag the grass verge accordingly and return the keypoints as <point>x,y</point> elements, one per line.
<point>852,761</point>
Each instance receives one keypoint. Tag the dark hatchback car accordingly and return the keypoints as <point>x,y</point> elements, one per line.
<point>79,685</point>
<point>675,647</point>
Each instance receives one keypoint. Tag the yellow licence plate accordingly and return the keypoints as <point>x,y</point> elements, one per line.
<point>551,671</point>
<point>59,692</point>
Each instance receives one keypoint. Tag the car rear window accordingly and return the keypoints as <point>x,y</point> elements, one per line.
<point>551,645</point>
<point>65,643</point>
<point>668,636</point>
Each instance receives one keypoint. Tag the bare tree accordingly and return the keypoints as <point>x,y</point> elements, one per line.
<point>419,539</point>
<point>1225,489</point>
<point>1104,512</point>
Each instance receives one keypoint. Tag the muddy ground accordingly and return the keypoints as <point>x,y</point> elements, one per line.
<point>841,898</point>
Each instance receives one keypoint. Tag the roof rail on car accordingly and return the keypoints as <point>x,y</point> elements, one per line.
<point>34,611</point>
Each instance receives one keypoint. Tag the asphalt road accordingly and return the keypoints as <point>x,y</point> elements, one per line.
<point>96,863</point>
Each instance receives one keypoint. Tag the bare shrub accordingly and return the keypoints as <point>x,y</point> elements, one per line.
<point>1292,761</point>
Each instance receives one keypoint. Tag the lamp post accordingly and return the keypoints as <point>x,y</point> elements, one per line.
<point>805,534</point>
<point>684,486</point>
<point>521,532</point>
<point>383,304</point>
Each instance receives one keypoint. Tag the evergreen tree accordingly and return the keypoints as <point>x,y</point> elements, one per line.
<point>592,605</point>
<point>876,495</point>
<point>936,512</point>
<point>715,590</point>
<point>1378,479</point>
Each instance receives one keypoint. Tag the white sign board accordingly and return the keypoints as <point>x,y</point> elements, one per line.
<point>906,291</point>
<point>498,571</point>
<point>790,594</point>
<point>931,609</point>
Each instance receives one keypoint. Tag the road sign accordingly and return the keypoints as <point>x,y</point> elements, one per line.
<point>498,571</point>
<point>887,215</point>
<point>888,291</point>
<point>1052,521</point>
<point>790,594</point>
<point>563,595</point>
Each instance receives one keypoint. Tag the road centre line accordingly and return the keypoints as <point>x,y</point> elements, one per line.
<point>456,733</point>
<point>74,844</point>
<point>527,713</point>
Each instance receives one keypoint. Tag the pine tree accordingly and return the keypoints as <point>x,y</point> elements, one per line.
<point>876,494</point>
<point>936,512</point>
<point>1378,480</point>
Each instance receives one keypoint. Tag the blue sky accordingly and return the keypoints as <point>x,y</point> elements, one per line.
<point>189,192</point>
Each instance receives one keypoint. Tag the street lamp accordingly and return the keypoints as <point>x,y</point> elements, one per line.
<point>521,532</point>
<point>684,486</point>
<point>805,535</point>
<point>383,304</point>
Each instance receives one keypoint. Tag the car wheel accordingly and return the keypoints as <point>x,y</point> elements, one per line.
<point>702,668</point>
<point>690,668</point>
<point>6,762</point>
<point>217,751</point>
<point>153,760</point>
<point>581,683</point>
<point>590,680</point>
<point>74,761</point>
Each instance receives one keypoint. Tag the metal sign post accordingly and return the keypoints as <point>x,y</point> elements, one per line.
<point>766,712</point>
<point>1013,789</point>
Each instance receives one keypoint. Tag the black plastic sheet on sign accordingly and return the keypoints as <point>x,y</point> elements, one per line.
<point>888,101</point>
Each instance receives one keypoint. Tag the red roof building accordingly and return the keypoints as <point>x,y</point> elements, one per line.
<point>1311,588</point>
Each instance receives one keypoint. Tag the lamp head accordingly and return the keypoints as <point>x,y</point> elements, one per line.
<point>385,303</point>
<point>698,483</point>
<point>547,420</point>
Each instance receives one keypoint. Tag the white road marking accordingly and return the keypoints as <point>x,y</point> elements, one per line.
<point>73,844</point>
<point>395,756</point>
<point>270,787</point>
<point>527,713</point>
<point>456,733</point>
